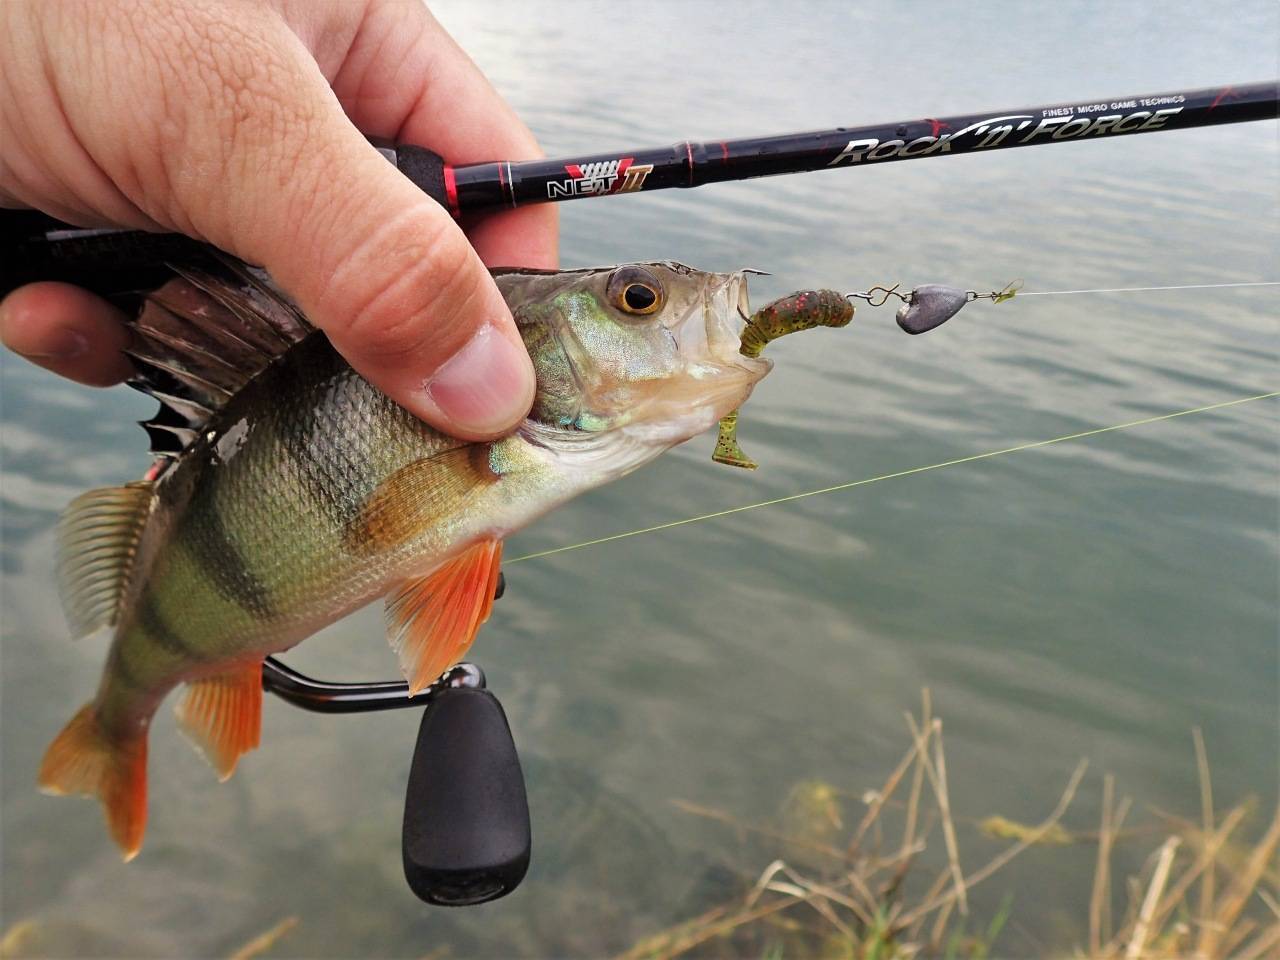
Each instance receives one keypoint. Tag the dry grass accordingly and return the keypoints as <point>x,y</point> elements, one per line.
<point>1200,894</point>
<point>865,893</point>
<point>263,942</point>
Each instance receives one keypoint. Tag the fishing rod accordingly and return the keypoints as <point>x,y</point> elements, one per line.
<point>691,164</point>
<point>40,247</point>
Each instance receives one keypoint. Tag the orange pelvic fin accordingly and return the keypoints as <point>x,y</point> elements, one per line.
<point>432,621</point>
<point>222,715</point>
<point>84,760</point>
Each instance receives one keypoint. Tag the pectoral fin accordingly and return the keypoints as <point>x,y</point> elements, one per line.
<point>222,715</point>
<point>416,496</point>
<point>432,621</point>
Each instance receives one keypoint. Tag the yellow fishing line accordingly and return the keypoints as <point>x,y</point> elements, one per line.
<point>891,476</point>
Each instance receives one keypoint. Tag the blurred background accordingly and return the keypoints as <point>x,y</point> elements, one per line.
<point>1098,598</point>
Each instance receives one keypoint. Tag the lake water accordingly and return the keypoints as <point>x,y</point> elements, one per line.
<point>1098,598</point>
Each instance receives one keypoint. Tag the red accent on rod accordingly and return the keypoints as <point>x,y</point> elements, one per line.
<point>451,192</point>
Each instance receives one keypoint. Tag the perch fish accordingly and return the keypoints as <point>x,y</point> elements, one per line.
<point>291,492</point>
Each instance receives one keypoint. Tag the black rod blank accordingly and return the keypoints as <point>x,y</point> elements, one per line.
<point>34,246</point>
<point>691,164</point>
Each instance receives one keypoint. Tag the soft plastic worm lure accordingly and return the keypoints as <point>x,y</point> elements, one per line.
<point>799,311</point>
<point>923,309</point>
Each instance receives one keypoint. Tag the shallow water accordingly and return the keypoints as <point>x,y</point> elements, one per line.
<point>1096,598</point>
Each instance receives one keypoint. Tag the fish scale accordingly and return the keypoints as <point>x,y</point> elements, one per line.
<point>291,492</point>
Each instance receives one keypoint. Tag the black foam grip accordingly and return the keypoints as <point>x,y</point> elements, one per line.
<point>110,263</point>
<point>425,169</point>
<point>466,816</point>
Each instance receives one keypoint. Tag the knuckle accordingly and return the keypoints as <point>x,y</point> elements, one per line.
<point>235,118</point>
<point>313,186</point>
<point>408,291</point>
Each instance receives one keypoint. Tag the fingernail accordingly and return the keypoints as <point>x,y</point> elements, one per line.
<point>60,345</point>
<point>486,387</point>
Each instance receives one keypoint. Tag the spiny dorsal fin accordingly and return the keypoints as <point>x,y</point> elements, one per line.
<point>97,541</point>
<point>432,621</point>
<point>200,338</point>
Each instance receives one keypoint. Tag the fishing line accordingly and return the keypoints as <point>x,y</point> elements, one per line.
<point>933,304</point>
<point>879,295</point>
<point>1186,286</point>
<point>896,474</point>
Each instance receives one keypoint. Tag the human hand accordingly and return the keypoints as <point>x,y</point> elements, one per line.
<point>242,124</point>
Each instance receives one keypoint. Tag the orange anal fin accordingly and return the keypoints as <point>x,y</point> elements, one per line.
<point>84,759</point>
<point>222,715</point>
<point>432,621</point>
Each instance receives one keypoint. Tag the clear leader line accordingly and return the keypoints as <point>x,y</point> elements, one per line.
<point>895,475</point>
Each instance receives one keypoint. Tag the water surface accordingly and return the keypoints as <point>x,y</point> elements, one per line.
<point>1096,598</point>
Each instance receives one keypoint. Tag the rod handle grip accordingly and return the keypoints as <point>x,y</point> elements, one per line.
<point>35,246</point>
<point>425,169</point>
<point>466,836</point>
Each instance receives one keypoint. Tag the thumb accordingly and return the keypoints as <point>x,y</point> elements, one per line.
<point>381,268</point>
<point>386,273</point>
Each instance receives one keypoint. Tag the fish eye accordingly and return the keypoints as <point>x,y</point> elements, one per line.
<point>635,290</point>
<point>640,298</point>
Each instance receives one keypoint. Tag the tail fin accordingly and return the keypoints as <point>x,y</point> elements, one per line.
<point>84,760</point>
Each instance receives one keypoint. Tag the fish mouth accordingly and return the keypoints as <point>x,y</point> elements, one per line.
<point>709,336</point>
<point>715,378</point>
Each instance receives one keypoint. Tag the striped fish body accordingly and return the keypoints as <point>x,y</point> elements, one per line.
<point>257,536</point>
<point>305,494</point>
